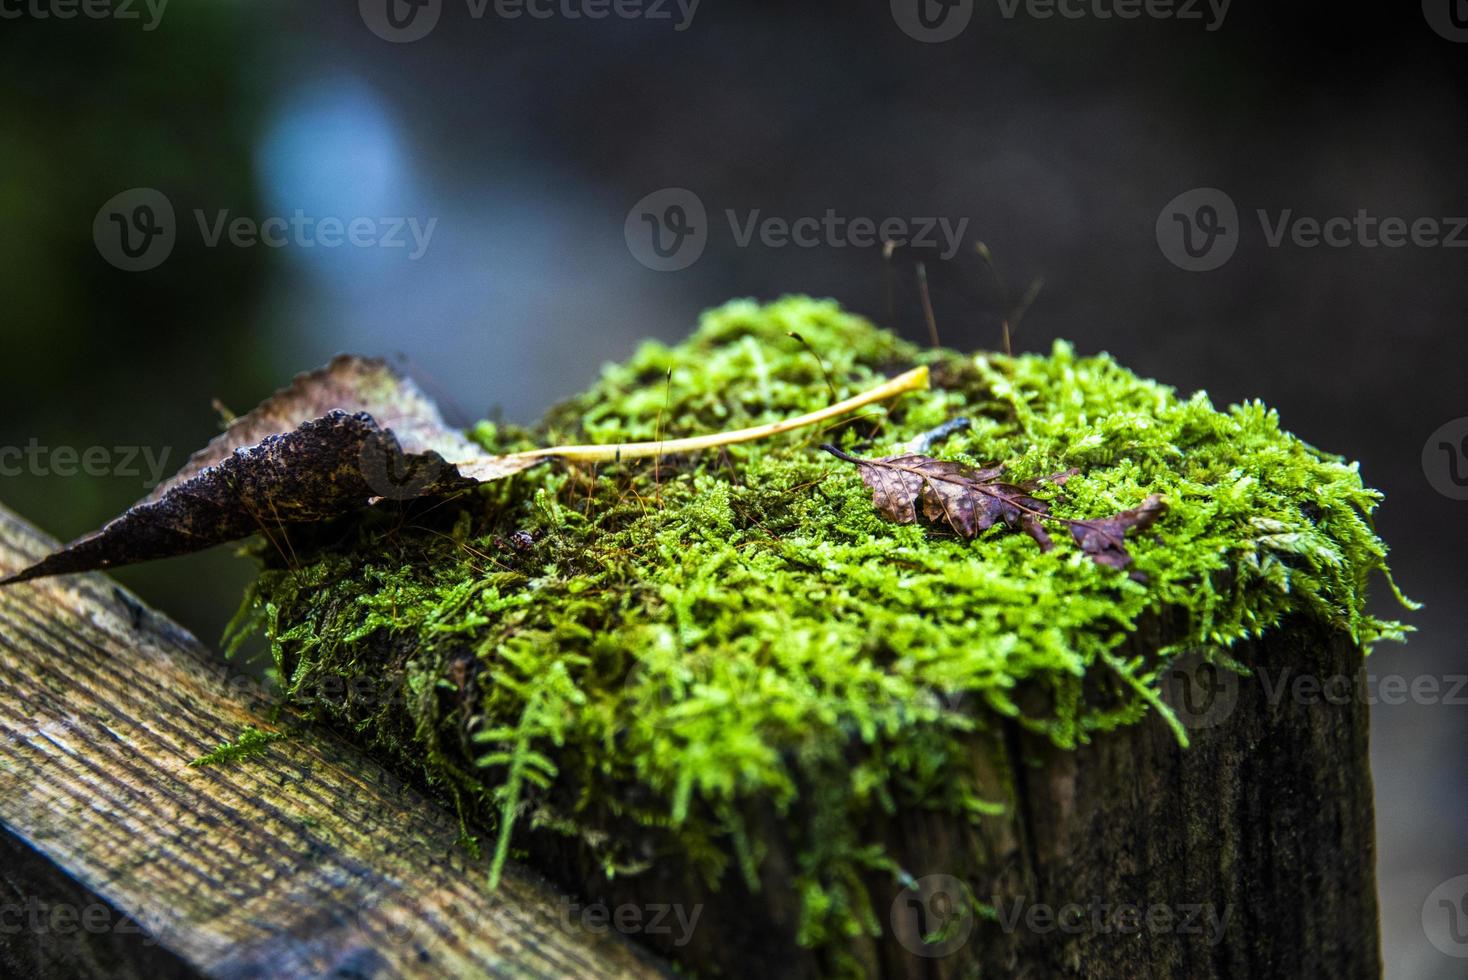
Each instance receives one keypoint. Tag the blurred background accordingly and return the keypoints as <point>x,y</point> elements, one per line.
<point>521,198</point>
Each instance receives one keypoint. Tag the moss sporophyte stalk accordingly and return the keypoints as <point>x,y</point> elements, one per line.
<point>679,643</point>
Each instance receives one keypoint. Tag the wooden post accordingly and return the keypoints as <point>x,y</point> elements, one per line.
<point>1249,854</point>
<point>117,859</point>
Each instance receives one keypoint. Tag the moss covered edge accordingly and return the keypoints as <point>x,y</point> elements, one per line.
<point>676,643</point>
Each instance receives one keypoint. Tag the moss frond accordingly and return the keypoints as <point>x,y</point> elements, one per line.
<point>251,742</point>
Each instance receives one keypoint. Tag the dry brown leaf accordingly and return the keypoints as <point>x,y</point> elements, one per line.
<point>334,440</point>
<point>1105,539</point>
<point>971,500</point>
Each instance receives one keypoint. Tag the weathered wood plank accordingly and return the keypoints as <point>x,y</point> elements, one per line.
<point>308,860</point>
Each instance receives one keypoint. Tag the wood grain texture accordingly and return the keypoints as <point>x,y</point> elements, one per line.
<point>307,860</point>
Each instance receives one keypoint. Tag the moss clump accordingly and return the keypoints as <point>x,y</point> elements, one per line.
<point>675,643</point>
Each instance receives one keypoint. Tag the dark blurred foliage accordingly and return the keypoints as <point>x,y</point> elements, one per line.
<point>95,356</point>
<point>529,140</point>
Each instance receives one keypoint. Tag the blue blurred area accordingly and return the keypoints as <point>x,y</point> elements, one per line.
<point>519,146</point>
<point>330,147</point>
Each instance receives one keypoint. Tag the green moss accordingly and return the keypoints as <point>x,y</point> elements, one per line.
<point>251,742</point>
<point>671,642</point>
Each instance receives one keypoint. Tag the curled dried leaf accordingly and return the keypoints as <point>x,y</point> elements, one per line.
<point>334,440</point>
<point>1105,539</point>
<point>971,500</point>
